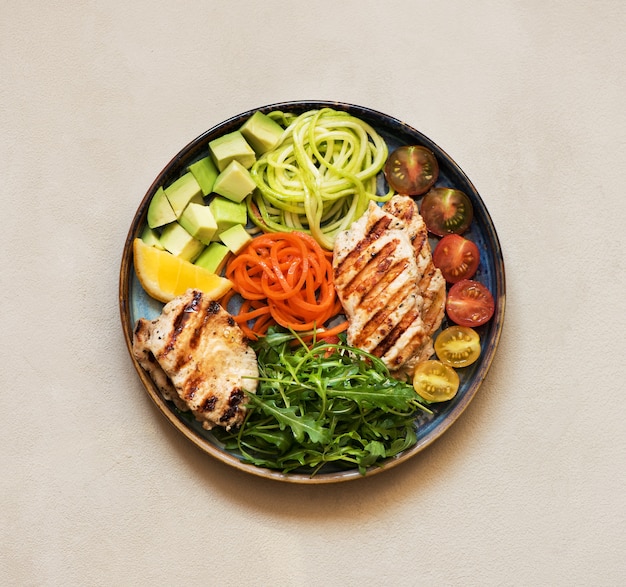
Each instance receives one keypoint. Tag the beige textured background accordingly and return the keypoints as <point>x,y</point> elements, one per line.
<point>527,488</point>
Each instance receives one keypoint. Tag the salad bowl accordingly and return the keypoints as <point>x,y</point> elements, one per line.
<point>134,303</point>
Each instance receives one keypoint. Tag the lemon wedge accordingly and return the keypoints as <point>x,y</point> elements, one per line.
<point>164,276</point>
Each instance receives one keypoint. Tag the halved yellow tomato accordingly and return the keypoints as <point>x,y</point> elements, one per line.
<point>458,346</point>
<point>435,382</point>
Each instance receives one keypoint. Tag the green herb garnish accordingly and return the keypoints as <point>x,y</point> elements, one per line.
<point>328,404</point>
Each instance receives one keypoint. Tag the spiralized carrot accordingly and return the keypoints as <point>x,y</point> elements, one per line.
<point>285,279</point>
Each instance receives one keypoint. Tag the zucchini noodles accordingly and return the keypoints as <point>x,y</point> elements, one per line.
<point>321,176</point>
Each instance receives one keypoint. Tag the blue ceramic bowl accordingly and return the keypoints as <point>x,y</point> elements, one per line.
<point>135,303</point>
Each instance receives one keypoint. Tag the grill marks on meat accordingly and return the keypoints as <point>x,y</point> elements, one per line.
<point>375,275</point>
<point>198,358</point>
<point>431,282</point>
<point>391,292</point>
<point>147,360</point>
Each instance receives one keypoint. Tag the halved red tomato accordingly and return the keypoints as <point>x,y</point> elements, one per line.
<point>469,303</point>
<point>411,170</point>
<point>332,339</point>
<point>446,211</point>
<point>435,382</point>
<point>457,257</point>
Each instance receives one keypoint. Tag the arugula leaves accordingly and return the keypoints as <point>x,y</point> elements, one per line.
<point>326,406</point>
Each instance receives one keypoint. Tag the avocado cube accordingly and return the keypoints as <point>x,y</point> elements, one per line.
<point>235,182</point>
<point>180,243</point>
<point>160,211</point>
<point>227,213</point>
<point>231,146</point>
<point>235,238</point>
<point>214,257</point>
<point>205,173</point>
<point>182,191</point>
<point>197,220</point>
<point>261,132</point>
<point>151,238</point>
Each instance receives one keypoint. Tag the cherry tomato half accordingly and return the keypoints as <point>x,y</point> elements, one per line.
<point>435,382</point>
<point>458,346</point>
<point>469,303</point>
<point>411,170</point>
<point>446,211</point>
<point>457,257</point>
<point>332,339</point>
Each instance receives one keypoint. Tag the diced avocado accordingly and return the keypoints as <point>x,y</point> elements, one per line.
<point>205,173</point>
<point>231,146</point>
<point>213,258</point>
<point>235,238</point>
<point>160,211</point>
<point>182,191</point>
<point>197,220</point>
<point>179,242</point>
<point>151,237</point>
<point>235,182</point>
<point>261,132</point>
<point>227,213</point>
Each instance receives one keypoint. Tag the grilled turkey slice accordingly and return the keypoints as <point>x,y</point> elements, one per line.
<point>198,358</point>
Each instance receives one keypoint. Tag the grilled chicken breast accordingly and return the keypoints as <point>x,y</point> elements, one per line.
<point>391,292</point>
<point>376,274</point>
<point>431,282</point>
<point>198,358</point>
